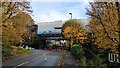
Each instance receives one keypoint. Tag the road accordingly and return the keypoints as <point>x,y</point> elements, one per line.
<point>38,59</point>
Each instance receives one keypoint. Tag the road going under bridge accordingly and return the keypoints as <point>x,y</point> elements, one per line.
<point>52,36</point>
<point>57,36</point>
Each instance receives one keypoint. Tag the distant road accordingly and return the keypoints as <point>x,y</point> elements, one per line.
<point>38,59</point>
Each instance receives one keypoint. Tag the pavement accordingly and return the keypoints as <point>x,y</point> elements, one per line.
<point>69,60</point>
<point>38,59</point>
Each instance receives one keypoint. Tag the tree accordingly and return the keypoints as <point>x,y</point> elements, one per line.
<point>9,9</point>
<point>73,29</point>
<point>14,23</point>
<point>104,24</point>
<point>18,29</point>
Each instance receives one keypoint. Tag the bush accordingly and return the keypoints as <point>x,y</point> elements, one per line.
<point>83,61</point>
<point>74,49</point>
<point>77,51</point>
<point>95,61</point>
<point>6,51</point>
<point>86,56</point>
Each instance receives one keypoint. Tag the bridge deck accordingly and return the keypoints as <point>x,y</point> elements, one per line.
<point>52,36</point>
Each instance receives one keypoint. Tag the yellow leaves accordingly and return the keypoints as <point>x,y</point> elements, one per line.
<point>14,25</point>
<point>79,34</point>
<point>67,32</point>
<point>114,48</point>
<point>75,32</point>
<point>16,29</point>
<point>110,22</point>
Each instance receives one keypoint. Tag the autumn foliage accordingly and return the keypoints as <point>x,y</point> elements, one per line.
<point>73,29</point>
<point>104,24</point>
<point>16,20</point>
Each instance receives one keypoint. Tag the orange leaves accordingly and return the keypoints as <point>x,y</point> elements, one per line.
<point>105,28</point>
<point>66,32</point>
<point>73,29</point>
<point>16,27</point>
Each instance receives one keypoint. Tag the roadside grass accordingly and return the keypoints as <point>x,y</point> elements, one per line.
<point>13,51</point>
<point>19,51</point>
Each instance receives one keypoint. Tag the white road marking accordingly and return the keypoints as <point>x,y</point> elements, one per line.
<point>21,64</point>
<point>30,61</point>
<point>45,59</point>
<point>39,57</point>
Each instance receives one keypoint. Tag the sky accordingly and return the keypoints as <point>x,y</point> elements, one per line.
<point>53,11</point>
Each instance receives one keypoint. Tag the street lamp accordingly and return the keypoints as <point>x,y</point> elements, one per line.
<point>71,33</point>
<point>71,15</point>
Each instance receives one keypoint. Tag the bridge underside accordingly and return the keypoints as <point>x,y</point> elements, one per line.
<point>51,37</point>
<point>56,38</point>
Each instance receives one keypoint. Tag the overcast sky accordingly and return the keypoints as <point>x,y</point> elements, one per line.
<point>52,11</point>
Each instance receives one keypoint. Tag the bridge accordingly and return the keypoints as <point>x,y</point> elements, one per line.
<point>50,32</point>
<point>52,39</point>
<point>52,36</point>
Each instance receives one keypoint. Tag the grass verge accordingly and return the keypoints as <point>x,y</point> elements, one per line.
<point>13,51</point>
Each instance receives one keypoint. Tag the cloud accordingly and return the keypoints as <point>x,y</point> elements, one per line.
<point>52,16</point>
<point>59,0</point>
<point>52,11</point>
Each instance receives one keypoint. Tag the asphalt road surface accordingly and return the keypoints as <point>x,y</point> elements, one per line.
<point>38,59</point>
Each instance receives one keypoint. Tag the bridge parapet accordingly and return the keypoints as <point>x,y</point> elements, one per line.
<point>50,35</point>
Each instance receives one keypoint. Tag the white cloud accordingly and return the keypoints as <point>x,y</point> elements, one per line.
<point>59,0</point>
<point>49,12</point>
<point>51,15</point>
<point>87,1</point>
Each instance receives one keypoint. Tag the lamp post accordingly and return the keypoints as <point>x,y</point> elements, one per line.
<point>71,33</point>
<point>71,15</point>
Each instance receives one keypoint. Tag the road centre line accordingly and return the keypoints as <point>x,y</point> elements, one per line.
<point>21,64</point>
<point>30,60</point>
